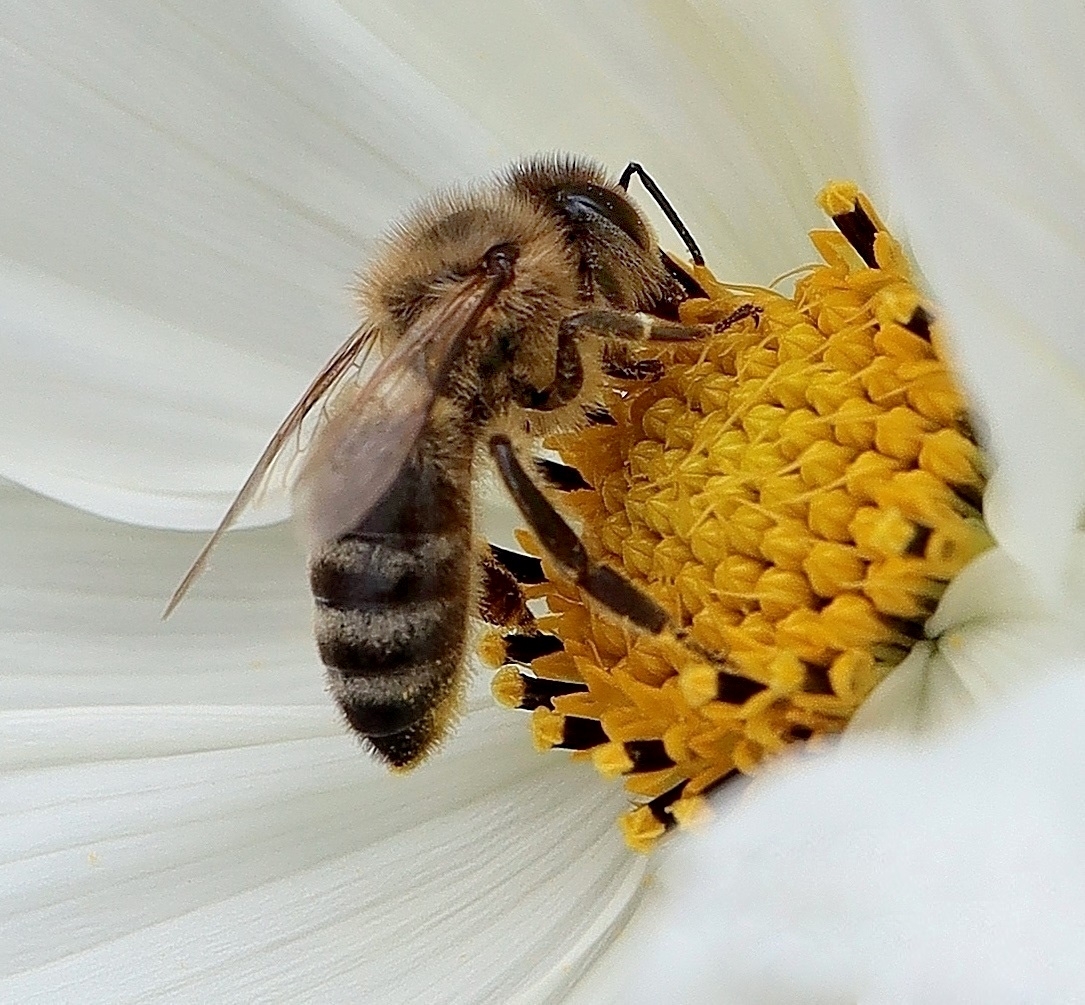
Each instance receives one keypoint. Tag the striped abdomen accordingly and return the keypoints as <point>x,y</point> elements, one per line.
<point>391,611</point>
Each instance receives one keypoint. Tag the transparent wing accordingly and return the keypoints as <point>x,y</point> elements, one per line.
<point>334,377</point>
<point>364,431</point>
<point>359,452</point>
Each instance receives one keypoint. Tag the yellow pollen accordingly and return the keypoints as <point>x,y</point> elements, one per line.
<point>641,829</point>
<point>491,650</point>
<point>507,687</point>
<point>547,728</point>
<point>796,490</point>
<point>690,812</point>
<point>611,760</point>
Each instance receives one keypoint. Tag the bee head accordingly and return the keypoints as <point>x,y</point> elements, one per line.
<point>618,255</point>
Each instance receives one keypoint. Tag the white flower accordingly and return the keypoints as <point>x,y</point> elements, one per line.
<point>187,192</point>
<point>951,872</point>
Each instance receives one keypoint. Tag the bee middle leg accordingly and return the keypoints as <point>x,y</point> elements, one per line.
<point>615,326</point>
<point>631,327</point>
<point>567,382</point>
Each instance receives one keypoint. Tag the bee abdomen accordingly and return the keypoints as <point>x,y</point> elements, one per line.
<point>391,616</point>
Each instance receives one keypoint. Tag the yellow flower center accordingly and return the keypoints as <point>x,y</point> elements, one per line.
<point>796,490</point>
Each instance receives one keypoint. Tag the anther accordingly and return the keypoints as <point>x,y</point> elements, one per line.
<point>972,495</point>
<point>816,680</point>
<point>920,323</point>
<point>917,546</point>
<point>860,231</point>
<point>565,732</point>
<point>660,807</point>
<point>562,477</point>
<point>526,569</point>
<point>632,757</point>
<point>647,755</point>
<point>513,689</point>
<point>735,689</point>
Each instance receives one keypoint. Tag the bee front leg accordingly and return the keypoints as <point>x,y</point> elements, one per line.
<point>568,378</point>
<point>628,327</point>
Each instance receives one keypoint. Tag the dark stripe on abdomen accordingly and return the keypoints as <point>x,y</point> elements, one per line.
<point>386,603</point>
<point>382,640</point>
<point>362,570</point>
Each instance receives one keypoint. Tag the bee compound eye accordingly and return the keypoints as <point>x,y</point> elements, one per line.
<point>586,203</point>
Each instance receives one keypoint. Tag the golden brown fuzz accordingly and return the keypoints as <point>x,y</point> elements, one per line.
<point>797,491</point>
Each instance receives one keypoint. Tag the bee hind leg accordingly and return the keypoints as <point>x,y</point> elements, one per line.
<point>503,604</point>
<point>501,600</point>
<point>608,587</point>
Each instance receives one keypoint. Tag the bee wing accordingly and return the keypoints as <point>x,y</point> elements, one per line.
<point>365,431</point>
<point>359,452</point>
<point>327,384</point>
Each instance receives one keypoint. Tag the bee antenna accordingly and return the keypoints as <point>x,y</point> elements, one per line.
<point>633,168</point>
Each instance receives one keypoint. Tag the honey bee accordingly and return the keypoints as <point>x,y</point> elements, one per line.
<point>497,311</point>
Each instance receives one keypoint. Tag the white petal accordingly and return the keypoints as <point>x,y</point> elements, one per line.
<point>741,110</point>
<point>188,195</point>
<point>295,869</point>
<point>116,412</point>
<point>990,587</point>
<point>886,873</point>
<point>993,635</point>
<point>979,120</point>
<point>185,817</point>
<point>82,599</point>
<point>899,705</point>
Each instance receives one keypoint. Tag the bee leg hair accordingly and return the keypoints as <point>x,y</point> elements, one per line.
<point>568,377</point>
<point>633,327</point>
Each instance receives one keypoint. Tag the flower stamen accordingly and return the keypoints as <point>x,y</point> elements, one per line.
<point>797,490</point>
